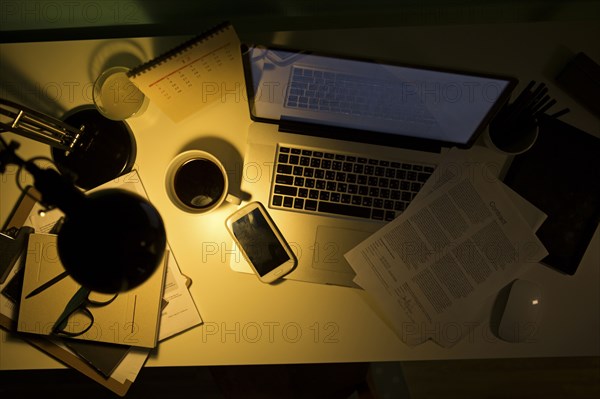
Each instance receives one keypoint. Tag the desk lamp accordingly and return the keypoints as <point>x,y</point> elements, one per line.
<point>111,240</point>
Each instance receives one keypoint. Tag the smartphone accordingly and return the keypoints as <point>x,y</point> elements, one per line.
<point>261,243</point>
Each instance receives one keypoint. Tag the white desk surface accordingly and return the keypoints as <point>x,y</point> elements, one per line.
<point>247,322</point>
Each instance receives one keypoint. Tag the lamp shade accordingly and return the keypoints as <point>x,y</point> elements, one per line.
<point>113,241</point>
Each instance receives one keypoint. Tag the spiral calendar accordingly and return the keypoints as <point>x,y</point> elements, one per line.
<point>196,73</point>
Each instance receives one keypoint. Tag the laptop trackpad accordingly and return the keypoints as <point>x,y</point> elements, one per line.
<point>331,243</point>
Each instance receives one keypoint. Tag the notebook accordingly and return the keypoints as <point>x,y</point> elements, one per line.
<point>129,318</point>
<point>101,356</point>
<point>371,127</point>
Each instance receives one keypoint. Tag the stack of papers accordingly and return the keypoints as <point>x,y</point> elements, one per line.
<point>129,318</point>
<point>463,238</point>
<point>179,312</point>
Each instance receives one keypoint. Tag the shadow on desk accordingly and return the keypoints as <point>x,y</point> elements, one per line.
<point>294,381</point>
<point>329,381</point>
<point>549,378</point>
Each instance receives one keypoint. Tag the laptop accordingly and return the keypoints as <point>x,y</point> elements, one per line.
<point>339,146</point>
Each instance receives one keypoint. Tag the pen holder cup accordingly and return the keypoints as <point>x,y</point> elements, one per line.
<point>511,139</point>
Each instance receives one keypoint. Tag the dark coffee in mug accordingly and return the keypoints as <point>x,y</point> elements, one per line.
<point>199,183</point>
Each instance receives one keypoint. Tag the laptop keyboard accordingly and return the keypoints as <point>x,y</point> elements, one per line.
<point>348,94</point>
<point>325,182</point>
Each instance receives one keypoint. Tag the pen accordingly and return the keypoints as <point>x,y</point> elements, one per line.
<point>560,113</point>
<point>47,284</point>
<point>539,104</point>
<point>133,316</point>
<point>57,226</point>
<point>546,107</point>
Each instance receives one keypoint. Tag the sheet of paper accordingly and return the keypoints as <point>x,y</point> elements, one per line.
<point>479,161</point>
<point>181,313</point>
<point>131,365</point>
<point>435,265</point>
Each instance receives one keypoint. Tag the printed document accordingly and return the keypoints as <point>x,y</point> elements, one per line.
<point>461,240</point>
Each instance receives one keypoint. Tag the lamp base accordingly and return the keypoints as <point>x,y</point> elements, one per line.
<point>106,150</point>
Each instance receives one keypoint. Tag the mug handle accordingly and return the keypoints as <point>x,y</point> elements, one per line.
<point>233,199</point>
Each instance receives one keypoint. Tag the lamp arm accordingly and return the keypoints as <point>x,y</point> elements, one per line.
<point>112,240</point>
<point>26,122</point>
<point>56,189</point>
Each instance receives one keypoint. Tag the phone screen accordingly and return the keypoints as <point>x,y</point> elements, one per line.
<point>256,237</point>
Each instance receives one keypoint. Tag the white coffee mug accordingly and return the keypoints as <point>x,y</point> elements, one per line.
<point>197,182</point>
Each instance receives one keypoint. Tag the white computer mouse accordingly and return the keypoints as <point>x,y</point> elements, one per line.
<point>522,313</point>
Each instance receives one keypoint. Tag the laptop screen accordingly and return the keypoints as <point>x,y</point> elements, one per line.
<point>415,102</point>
